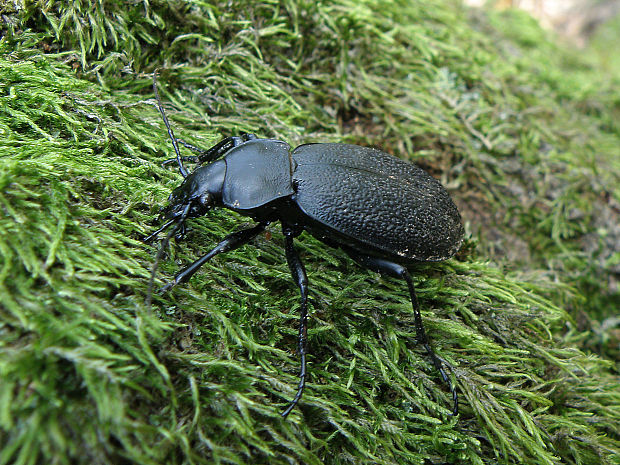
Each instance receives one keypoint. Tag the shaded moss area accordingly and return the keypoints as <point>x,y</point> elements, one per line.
<point>523,132</point>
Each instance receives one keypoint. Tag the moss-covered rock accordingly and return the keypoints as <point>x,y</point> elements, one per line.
<point>522,131</point>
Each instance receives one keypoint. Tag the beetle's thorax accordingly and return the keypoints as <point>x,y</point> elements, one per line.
<point>258,173</point>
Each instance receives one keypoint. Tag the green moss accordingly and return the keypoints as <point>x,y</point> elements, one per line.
<point>522,131</point>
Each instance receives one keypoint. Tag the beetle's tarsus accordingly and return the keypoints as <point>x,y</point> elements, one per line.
<point>164,243</point>
<point>148,239</point>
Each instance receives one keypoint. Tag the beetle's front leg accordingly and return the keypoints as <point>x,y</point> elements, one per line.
<point>230,242</point>
<point>299,276</point>
<point>214,152</point>
<point>190,158</point>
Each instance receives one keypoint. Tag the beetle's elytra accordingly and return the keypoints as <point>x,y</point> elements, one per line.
<point>383,212</point>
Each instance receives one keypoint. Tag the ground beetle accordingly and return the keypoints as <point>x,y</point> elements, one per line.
<point>383,212</point>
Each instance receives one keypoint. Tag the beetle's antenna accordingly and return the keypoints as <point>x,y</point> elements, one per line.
<point>170,133</point>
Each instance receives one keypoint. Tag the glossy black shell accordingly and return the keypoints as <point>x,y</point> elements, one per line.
<point>348,195</point>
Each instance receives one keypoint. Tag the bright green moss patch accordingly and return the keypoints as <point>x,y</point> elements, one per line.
<point>522,132</point>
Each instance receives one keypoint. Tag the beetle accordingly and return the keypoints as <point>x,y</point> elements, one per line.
<point>383,212</point>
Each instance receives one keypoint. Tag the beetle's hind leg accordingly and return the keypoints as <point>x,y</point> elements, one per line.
<point>395,270</point>
<point>299,276</point>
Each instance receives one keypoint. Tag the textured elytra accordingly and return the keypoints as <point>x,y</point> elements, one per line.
<point>384,203</point>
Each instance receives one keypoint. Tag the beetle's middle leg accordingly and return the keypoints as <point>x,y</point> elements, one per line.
<point>230,242</point>
<point>395,270</point>
<point>299,276</point>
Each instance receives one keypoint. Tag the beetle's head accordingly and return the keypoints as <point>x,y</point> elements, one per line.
<point>199,193</point>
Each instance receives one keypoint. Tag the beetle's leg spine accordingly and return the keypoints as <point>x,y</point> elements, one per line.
<point>299,276</point>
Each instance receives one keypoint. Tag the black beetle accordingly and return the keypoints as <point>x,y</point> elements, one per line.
<point>383,212</point>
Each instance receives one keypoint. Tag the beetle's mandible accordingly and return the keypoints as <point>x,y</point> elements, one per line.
<point>383,212</point>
